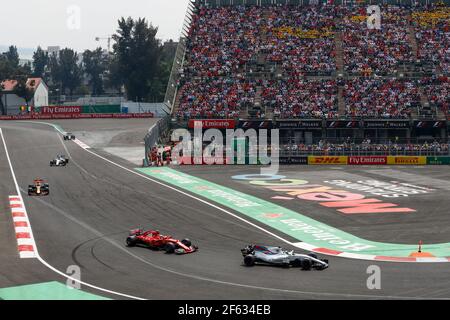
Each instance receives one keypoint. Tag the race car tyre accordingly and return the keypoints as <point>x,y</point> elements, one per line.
<point>170,247</point>
<point>249,261</point>
<point>186,242</point>
<point>297,263</point>
<point>306,264</point>
<point>131,241</point>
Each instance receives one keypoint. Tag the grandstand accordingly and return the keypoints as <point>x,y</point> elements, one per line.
<point>315,70</point>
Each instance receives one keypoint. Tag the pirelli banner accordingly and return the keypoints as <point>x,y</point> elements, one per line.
<point>406,160</point>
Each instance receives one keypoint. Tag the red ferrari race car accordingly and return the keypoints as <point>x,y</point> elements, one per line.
<point>154,240</point>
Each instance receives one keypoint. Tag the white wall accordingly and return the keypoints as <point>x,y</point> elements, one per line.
<point>40,96</point>
<point>13,103</point>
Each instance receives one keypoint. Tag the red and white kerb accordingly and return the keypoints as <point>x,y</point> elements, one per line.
<point>25,241</point>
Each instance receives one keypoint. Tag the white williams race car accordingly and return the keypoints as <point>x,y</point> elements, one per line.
<point>276,256</point>
<point>60,161</point>
<point>69,136</point>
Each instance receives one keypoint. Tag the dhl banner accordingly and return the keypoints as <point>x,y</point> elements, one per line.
<point>327,160</point>
<point>407,160</point>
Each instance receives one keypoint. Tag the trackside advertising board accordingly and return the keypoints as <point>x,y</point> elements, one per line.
<point>440,161</point>
<point>212,124</point>
<point>327,160</point>
<point>62,110</point>
<point>407,160</point>
<point>367,160</point>
<point>77,116</point>
<point>294,160</point>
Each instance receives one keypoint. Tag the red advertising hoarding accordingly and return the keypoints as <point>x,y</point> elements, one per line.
<point>213,124</point>
<point>367,160</point>
<point>77,116</point>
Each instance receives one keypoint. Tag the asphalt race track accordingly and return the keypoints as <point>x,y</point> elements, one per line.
<point>94,203</point>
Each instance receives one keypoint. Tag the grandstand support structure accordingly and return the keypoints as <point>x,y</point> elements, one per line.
<point>178,62</point>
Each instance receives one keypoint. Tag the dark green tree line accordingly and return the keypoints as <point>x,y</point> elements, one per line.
<point>140,63</point>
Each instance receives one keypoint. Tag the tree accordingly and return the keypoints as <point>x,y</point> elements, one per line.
<point>138,54</point>
<point>6,72</point>
<point>6,68</point>
<point>114,78</point>
<point>40,63</point>
<point>12,56</point>
<point>94,65</point>
<point>10,69</point>
<point>159,84</point>
<point>65,70</point>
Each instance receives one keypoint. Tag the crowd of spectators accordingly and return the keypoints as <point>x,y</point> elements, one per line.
<point>379,98</point>
<point>433,36</point>
<point>222,39</point>
<point>301,41</point>
<point>220,97</point>
<point>299,98</point>
<point>438,92</point>
<point>375,51</point>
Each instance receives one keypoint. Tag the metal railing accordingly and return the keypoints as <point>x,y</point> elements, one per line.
<point>362,152</point>
<point>178,62</point>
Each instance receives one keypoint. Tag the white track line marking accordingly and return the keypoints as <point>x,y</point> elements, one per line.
<point>36,252</point>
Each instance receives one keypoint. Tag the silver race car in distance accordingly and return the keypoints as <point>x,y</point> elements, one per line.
<point>69,136</point>
<point>254,254</point>
<point>60,161</point>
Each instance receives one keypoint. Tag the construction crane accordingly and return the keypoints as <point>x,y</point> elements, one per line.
<point>108,38</point>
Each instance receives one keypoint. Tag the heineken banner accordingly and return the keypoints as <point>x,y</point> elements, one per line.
<point>438,160</point>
